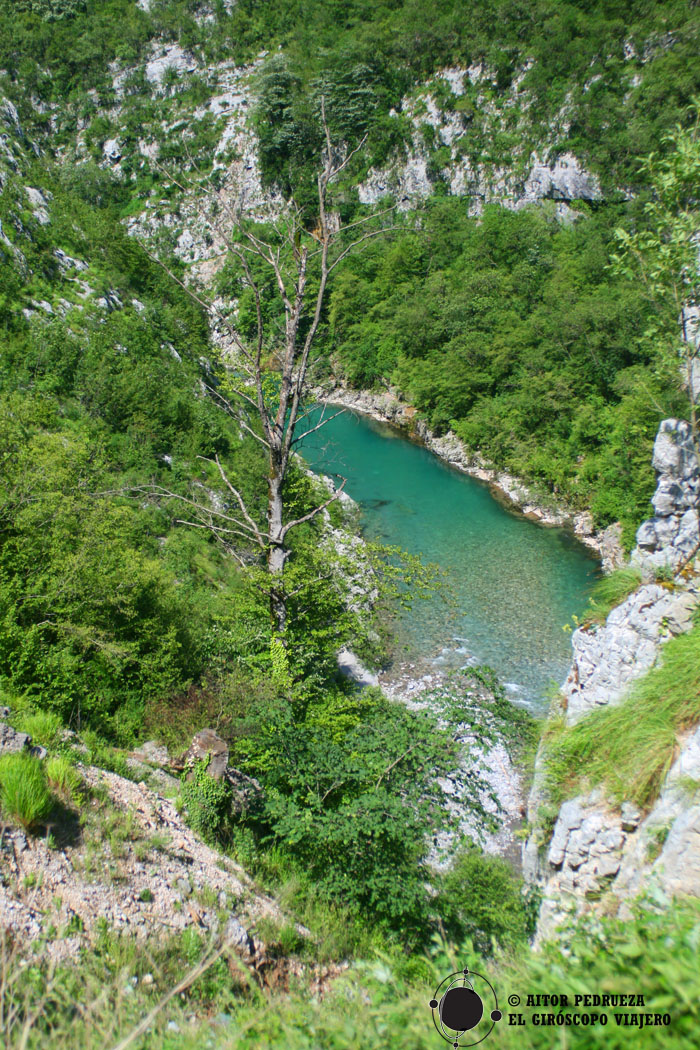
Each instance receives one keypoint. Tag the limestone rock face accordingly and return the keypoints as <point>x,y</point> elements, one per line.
<point>672,536</point>
<point>597,849</point>
<point>526,178</point>
<point>351,667</point>
<point>564,179</point>
<point>112,151</point>
<point>608,658</point>
<point>170,57</point>
<point>39,204</point>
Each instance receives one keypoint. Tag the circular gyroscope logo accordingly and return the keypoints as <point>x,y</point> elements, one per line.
<point>459,1010</point>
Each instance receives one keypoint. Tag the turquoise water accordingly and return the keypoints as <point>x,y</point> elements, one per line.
<point>514,583</point>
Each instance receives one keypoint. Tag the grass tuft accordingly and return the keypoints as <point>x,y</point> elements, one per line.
<point>24,791</point>
<point>63,777</point>
<point>630,748</point>
<point>610,591</point>
<point>44,727</point>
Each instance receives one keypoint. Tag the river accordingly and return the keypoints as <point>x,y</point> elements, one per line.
<point>513,584</point>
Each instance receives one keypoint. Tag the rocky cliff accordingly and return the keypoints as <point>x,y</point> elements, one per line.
<point>459,108</point>
<point>597,853</point>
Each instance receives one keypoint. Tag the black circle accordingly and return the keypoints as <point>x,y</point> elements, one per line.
<point>496,1015</point>
<point>455,1045</point>
<point>433,1003</point>
<point>461,1009</point>
<point>465,972</point>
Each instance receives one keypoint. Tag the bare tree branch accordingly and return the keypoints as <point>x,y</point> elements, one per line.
<point>319,425</point>
<point>317,510</point>
<point>285,259</point>
<point>241,504</point>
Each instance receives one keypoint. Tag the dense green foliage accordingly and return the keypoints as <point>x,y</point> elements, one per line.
<point>121,620</point>
<point>482,901</point>
<point>662,253</point>
<point>513,331</point>
<point>346,805</point>
<point>363,57</point>
<point>96,402</point>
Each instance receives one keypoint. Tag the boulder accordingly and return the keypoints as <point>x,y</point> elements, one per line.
<point>206,746</point>
<point>12,741</point>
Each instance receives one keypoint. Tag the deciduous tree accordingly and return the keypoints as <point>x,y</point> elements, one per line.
<point>284,267</point>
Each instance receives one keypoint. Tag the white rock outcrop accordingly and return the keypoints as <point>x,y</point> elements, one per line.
<point>525,179</point>
<point>672,537</point>
<point>171,57</point>
<point>39,204</point>
<point>609,658</point>
<point>597,849</point>
<point>563,179</point>
<point>112,151</point>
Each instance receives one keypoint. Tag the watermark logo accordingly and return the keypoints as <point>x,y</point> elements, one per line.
<point>461,1011</point>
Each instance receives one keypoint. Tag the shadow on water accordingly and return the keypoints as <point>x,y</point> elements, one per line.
<point>375,504</point>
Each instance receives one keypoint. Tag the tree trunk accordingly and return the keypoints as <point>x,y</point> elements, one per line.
<point>276,555</point>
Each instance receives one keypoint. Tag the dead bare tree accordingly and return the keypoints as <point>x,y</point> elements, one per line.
<point>292,258</point>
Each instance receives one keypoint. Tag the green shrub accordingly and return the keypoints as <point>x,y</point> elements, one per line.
<point>481,898</point>
<point>651,953</point>
<point>208,805</point>
<point>24,792</point>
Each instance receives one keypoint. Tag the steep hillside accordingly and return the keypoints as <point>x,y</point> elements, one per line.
<point>554,105</point>
<point>513,275</point>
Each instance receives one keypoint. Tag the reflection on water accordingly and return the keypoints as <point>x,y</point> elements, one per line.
<point>513,584</point>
